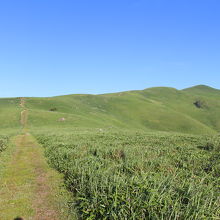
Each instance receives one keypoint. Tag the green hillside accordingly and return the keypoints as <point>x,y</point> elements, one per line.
<point>159,109</point>
<point>9,113</point>
<point>120,155</point>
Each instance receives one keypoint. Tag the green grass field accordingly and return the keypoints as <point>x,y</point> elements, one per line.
<point>134,175</point>
<point>148,154</point>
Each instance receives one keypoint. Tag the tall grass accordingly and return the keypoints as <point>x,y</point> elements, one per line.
<point>138,176</point>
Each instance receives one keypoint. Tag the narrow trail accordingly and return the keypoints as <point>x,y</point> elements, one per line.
<point>29,188</point>
<point>24,118</point>
<point>22,102</point>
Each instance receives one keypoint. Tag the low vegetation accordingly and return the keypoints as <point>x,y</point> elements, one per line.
<point>3,142</point>
<point>135,175</point>
<point>53,109</point>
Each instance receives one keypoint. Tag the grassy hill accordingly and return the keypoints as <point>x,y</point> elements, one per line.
<point>194,110</point>
<point>111,166</point>
<point>9,113</point>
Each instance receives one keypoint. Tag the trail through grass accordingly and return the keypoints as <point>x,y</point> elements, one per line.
<point>28,187</point>
<point>116,162</point>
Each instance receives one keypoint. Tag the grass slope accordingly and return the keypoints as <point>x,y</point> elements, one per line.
<point>153,109</point>
<point>9,113</point>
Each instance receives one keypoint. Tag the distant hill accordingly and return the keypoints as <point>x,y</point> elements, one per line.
<point>193,110</point>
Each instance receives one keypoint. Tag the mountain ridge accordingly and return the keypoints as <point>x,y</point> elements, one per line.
<point>193,110</point>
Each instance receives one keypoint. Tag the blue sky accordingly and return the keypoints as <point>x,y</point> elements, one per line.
<point>53,47</point>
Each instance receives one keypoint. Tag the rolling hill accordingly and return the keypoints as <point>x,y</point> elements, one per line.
<point>194,110</point>
<point>101,146</point>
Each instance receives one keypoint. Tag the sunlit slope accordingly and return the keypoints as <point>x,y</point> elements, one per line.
<point>9,113</point>
<point>161,108</point>
<point>209,114</point>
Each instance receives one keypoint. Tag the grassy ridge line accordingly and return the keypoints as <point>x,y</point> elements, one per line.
<point>154,109</point>
<point>51,118</point>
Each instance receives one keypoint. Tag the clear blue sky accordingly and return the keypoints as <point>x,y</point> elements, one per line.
<point>54,47</point>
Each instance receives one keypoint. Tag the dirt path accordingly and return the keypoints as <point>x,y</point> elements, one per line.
<point>22,102</point>
<point>28,187</point>
<point>24,118</point>
<point>24,113</point>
